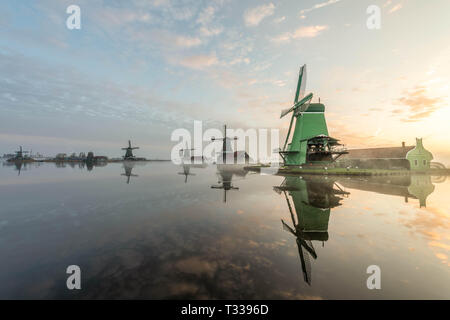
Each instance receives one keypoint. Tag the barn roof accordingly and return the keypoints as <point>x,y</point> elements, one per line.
<point>378,153</point>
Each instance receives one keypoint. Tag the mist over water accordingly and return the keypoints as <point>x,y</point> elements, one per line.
<point>156,231</point>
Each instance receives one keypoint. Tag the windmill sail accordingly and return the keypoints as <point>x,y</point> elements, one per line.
<point>303,104</point>
<point>306,263</point>
<point>286,227</point>
<point>301,84</point>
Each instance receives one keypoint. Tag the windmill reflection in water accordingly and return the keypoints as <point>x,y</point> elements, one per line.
<point>309,201</point>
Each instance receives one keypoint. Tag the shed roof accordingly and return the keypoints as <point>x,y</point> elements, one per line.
<point>378,153</point>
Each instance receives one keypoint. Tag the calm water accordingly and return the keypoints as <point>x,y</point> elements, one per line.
<point>163,231</point>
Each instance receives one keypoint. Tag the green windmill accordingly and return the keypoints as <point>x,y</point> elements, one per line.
<point>310,143</point>
<point>312,199</point>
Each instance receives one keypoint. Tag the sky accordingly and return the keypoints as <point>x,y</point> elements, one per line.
<point>141,69</point>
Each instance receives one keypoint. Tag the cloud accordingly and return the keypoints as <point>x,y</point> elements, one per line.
<point>351,137</point>
<point>120,16</point>
<point>432,224</point>
<point>420,105</point>
<point>254,16</point>
<point>33,89</point>
<point>309,32</point>
<point>284,37</point>
<point>396,8</point>
<point>317,6</point>
<point>279,20</point>
<point>162,40</point>
<point>239,60</point>
<point>207,32</point>
<point>206,20</point>
<point>182,14</point>
<point>187,42</point>
<point>206,15</point>
<point>199,61</point>
<point>302,32</point>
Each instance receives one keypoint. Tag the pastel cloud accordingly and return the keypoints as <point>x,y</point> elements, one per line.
<point>199,61</point>
<point>433,224</point>
<point>206,15</point>
<point>53,92</point>
<point>183,41</point>
<point>280,19</point>
<point>318,6</point>
<point>396,8</point>
<point>206,20</point>
<point>163,40</point>
<point>254,16</point>
<point>420,105</point>
<point>302,32</point>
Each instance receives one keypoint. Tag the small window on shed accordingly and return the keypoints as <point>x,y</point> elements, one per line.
<point>415,163</point>
<point>424,162</point>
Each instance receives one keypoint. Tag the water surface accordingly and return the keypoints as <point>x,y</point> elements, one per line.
<point>159,231</point>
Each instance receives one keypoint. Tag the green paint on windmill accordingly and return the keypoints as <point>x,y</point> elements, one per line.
<point>311,218</point>
<point>310,124</point>
<point>310,142</point>
<point>419,158</point>
<point>312,199</point>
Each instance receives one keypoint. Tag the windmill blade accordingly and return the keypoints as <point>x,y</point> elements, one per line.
<point>306,263</point>
<point>286,111</point>
<point>286,227</point>
<point>298,104</point>
<point>302,109</point>
<point>288,133</point>
<point>290,210</point>
<point>301,84</point>
<point>303,104</point>
<point>308,246</point>
<point>277,190</point>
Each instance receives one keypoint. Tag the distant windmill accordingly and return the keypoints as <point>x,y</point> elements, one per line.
<point>129,152</point>
<point>226,145</point>
<point>20,153</point>
<point>20,156</point>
